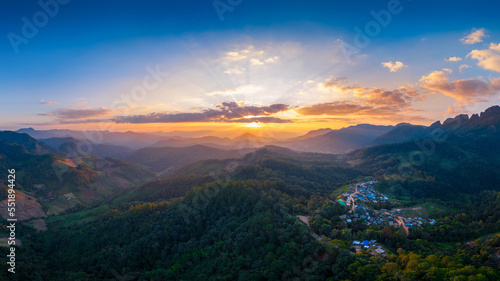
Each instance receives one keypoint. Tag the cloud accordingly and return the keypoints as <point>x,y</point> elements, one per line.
<point>376,103</point>
<point>225,112</point>
<point>495,83</point>
<point>272,60</point>
<point>80,103</point>
<point>476,36</point>
<point>453,59</point>
<point>250,55</point>
<point>236,70</point>
<point>242,90</point>
<point>393,67</point>
<point>333,108</point>
<point>256,62</point>
<point>455,109</point>
<point>72,114</point>
<point>488,59</point>
<point>463,66</point>
<point>341,84</point>
<point>464,90</point>
<point>360,113</point>
<point>403,96</point>
<point>242,54</point>
<point>48,102</point>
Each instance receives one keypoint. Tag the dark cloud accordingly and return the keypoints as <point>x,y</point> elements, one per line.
<point>225,112</point>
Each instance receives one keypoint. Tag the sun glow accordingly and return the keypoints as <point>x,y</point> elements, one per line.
<point>254,125</point>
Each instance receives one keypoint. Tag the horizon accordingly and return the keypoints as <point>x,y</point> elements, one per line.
<point>233,135</point>
<point>264,68</point>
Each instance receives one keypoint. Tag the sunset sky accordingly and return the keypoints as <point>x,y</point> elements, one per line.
<point>233,66</point>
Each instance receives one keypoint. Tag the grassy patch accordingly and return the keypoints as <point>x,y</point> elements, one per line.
<point>337,192</point>
<point>76,218</point>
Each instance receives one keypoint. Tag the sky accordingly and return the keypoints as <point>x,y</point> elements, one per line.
<point>232,66</point>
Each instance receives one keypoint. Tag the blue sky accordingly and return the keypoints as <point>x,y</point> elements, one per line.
<point>78,66</point>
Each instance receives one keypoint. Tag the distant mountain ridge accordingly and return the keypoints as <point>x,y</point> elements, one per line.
<point>130,139</point>
<point>337,141</point>
<point>324,140</point>
<point>70,146</point>
<point>30,144</point>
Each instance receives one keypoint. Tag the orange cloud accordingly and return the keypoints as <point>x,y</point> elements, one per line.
<point>464,90</point>
<point>386,113</point>
<point>340,84</point>
<point>333,108</point>
<point>403,96</point>
<point>376,103</point>
<point>394,66</point>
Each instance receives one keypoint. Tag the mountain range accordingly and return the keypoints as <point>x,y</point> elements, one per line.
<point>123,144</point>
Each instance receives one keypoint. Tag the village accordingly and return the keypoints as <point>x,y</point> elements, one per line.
<point>361,197</point>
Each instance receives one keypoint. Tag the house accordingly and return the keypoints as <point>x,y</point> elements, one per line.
<point>380,251</point>
<point>365,243</point>
<point>356,242</point>
<point>349,220</point>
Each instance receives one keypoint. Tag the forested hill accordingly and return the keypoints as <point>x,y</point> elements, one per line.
<point>52,176</point>
<point>456,161</point>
